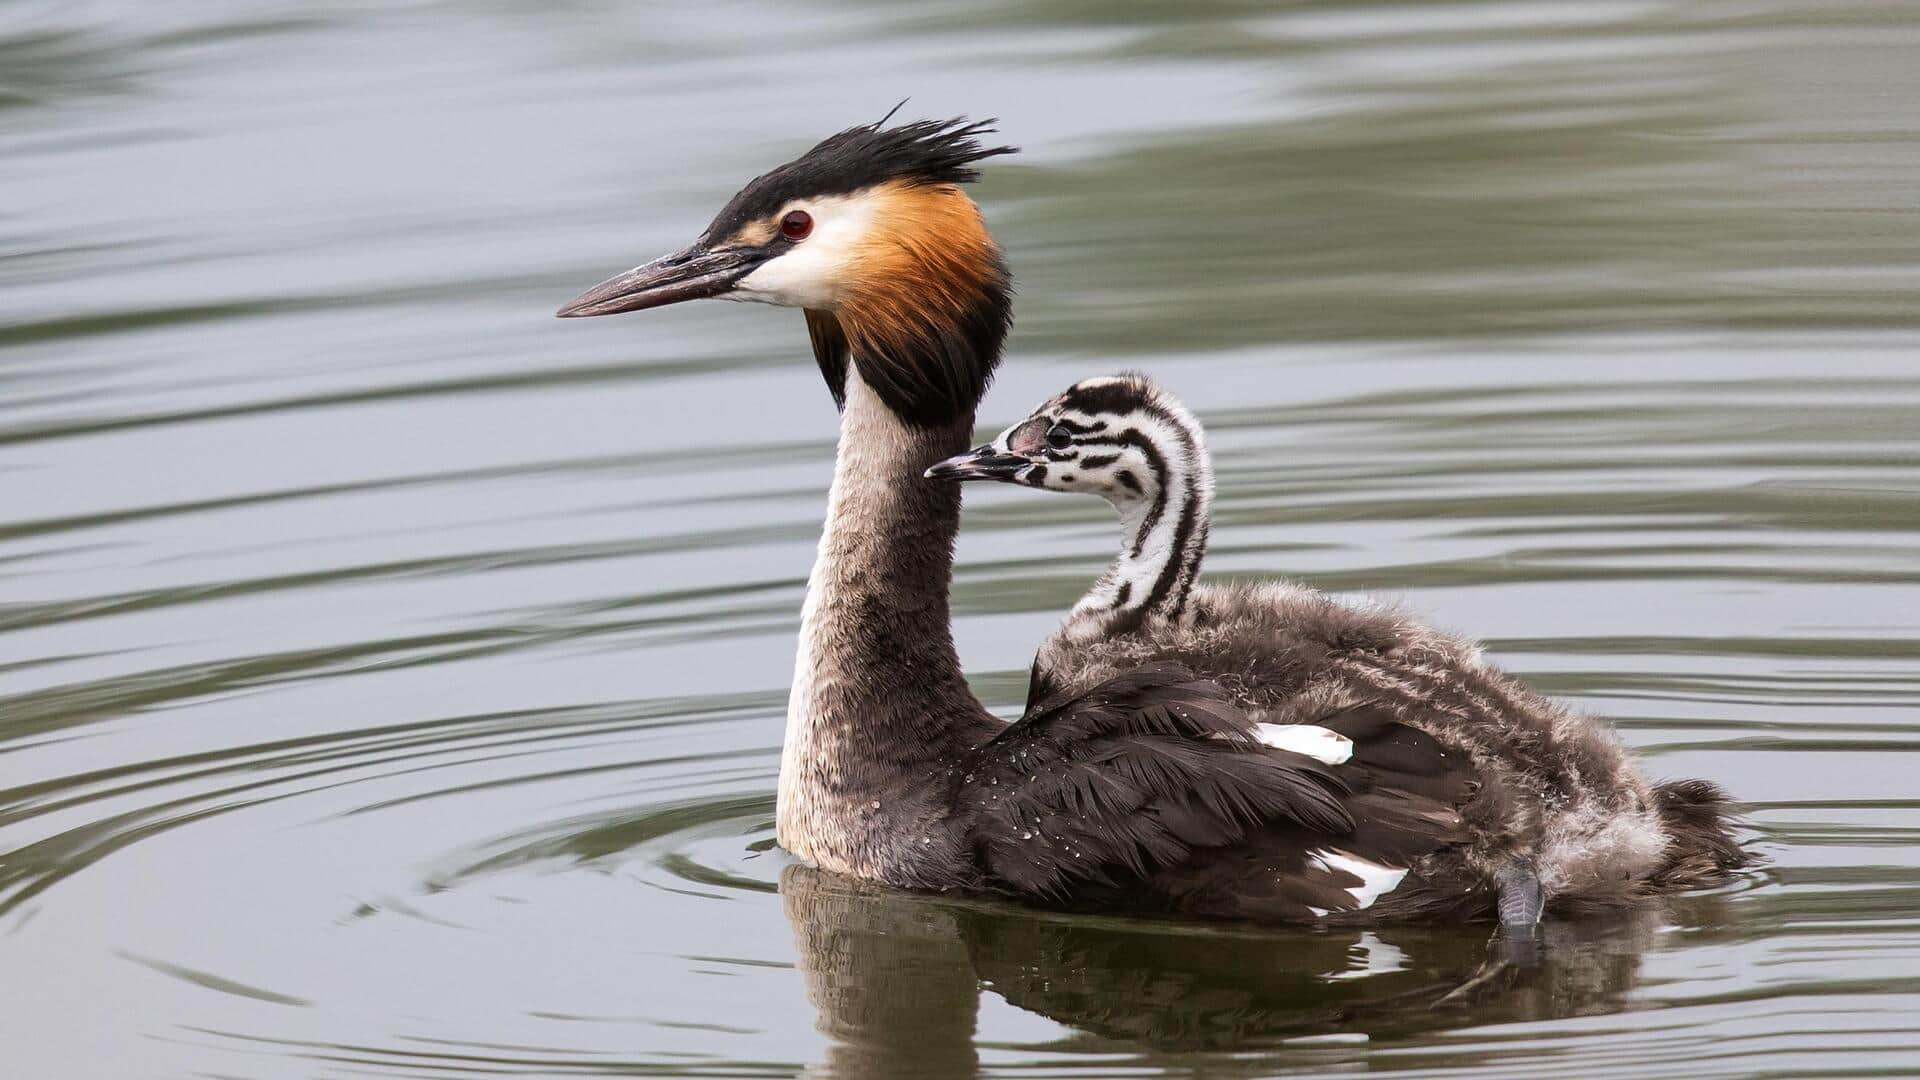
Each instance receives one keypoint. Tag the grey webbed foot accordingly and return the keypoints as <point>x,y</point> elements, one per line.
<point>1521,900</point>
<point>1516,947</point>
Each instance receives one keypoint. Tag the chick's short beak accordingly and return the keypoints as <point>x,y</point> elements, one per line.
<point>692,274</point>
<point>987,462</point>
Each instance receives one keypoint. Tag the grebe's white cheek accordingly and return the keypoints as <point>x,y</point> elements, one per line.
<point>814,272</point>
<point>795,279</point>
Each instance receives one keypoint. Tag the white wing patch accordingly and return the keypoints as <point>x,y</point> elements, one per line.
<point>1318,743</point>
<point>1375,880</point>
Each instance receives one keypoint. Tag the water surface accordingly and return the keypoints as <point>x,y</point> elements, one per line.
<point>391,677</point>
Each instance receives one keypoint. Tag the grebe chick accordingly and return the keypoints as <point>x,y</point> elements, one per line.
<point>1561,814</point>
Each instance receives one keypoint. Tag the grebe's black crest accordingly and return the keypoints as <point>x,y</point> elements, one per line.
<point>866,156</point>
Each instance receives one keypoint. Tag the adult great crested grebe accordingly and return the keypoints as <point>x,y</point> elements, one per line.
<point>1428,785</point>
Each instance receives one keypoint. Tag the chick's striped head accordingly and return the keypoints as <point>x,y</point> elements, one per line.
<point>1120,437</point>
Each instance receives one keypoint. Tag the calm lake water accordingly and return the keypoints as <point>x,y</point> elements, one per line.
<point>392,676</point>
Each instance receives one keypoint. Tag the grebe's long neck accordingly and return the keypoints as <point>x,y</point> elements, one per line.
<point>1165,530</point>
<point>879,705</point>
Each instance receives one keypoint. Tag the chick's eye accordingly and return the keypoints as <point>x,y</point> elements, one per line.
<point>1059,438</point>
<point>796,225</point>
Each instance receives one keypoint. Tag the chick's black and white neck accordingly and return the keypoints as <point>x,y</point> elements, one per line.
<point>1150,460</point>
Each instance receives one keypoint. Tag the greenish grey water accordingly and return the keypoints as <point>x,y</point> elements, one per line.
<point>391,677</point>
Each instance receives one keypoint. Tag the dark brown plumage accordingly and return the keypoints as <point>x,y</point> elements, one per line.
<point>1154,792</point>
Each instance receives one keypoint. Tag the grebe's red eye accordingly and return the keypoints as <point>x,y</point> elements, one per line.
<point>796,225</point>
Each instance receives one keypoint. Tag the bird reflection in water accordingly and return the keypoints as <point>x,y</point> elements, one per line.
<point>895,978</point>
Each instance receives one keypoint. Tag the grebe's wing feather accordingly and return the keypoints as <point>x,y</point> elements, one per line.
<point>1132,787</point>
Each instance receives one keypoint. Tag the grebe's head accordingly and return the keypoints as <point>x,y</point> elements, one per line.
<point>1120,437</point>
<point>871,234</point>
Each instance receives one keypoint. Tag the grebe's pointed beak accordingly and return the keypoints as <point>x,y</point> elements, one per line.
<point>693,274</point>
<point>987,462</point>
